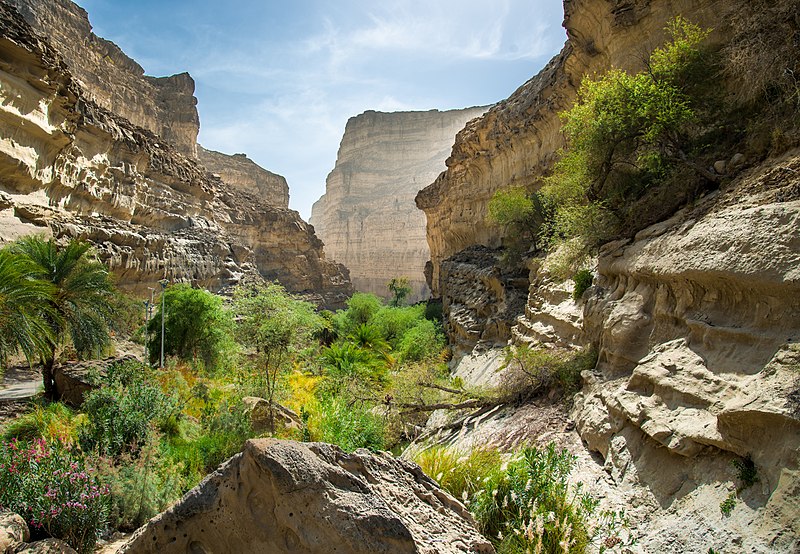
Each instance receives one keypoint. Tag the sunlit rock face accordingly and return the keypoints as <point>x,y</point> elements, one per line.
<point>240,172</point>
<point>367,217</point>
<point>70,167</point>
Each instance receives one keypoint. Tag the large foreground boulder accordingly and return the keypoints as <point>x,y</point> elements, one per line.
<point>284,496</point>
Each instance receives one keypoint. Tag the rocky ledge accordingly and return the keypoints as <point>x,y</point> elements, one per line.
<point>284,496</point>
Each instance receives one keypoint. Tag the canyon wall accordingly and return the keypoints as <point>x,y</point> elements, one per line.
<point>240,172</point>
<point>367,218</point>
<point>166,106</point>
<point>696,319</point>
<point>70,167</point>
<point>517,140</point>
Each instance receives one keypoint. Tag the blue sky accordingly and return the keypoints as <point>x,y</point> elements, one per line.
<point>278,80</point>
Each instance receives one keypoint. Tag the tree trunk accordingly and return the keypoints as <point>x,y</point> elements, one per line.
<point>48,379</point>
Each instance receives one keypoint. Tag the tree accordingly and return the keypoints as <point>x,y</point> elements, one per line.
<point>78,309</point>
<point>399,288</point>
<point>522,214</point>
<point>627,132</point>
<point>24,303</point>
<point>276,326</point>
<point>197,327</point>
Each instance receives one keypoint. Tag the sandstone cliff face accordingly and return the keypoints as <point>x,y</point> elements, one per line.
<point>517,140</point>
<point>283,496</point>
<point>166,106</point>
<point>367,218</point>
<point>241,173</point>
<point>72,168</point>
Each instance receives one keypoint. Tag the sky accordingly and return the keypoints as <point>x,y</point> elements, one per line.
<point>278,79</point>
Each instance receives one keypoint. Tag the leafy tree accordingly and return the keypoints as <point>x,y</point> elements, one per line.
<point>521,213</point>
<point>197,327</point>
<point>626,132</point>
<point>24,321</point>
<point>360,309</point>
<point>79,309</point>
<point>399,288</point>
<point>276,325</point>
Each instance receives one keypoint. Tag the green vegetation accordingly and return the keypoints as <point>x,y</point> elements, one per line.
<point>727,505</point>
<point>77,308</point>
<point>54,491</point>
<point>583,280</point>
<point>526,503</point>
<point>399,288</point>
<point>197,329</point>
<point>539,370</point>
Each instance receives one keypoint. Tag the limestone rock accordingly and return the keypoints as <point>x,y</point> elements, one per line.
<point>258,409</point>
<point>46,546</point>
<point>165,106</point>
<point>367,217</point>
<point>283,496</point>
<point>242,173</point>
<point>72,168</point>
<point>516,141</point>
<point>13,530</point>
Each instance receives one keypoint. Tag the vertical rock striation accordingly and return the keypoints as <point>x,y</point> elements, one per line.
<point>367,218</point>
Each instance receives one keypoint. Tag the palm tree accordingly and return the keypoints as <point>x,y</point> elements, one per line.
<point>23,307</point>
<point>79,309</point>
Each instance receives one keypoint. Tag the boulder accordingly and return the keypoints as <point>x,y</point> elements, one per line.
<point>285,496</point>
<point>13,530</point>
<point>46,546</point>
<point>259,411</point>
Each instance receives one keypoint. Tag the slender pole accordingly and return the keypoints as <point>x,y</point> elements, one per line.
<point>163,287</point>
<point>148,316</point>
<point>146,321</point>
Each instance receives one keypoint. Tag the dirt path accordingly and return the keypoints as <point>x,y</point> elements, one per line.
<point>20,383</point>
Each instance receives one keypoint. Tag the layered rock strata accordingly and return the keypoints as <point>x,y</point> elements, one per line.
<point>165,106</point>
<point>697,323</point>
<point>71,168</point>
<point>241,173</point>
<point>516,142</point>
<point>284,496</point>
<point>367,217</point>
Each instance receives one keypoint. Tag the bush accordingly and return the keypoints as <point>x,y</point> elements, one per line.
<point>421,342</point>
<point>531,507</point>
<point>348,426</point>
<point>121,411</point>
<point>55,421</point>
<point>140,486</point>
<point>462,474</point>
<point>583,280</point>
<point>545,369</point>
<point>54,491</point>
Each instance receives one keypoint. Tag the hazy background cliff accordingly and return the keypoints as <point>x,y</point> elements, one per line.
<point>367,217</point>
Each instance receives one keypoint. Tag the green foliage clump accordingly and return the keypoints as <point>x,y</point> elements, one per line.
<point>526,503</point>
<point>424,341</point>
<point>54,490</point>
<point>360,309</point>
<point>583,280</point>
<point>124,409</point>
<point>727,505</point>
<point>543,369</point>
<point>625,133</point>
<point>400,289</point>
<point>746,471</point>
<point>522,214</point>
<point>197,327</point>
<point>52,421</point>
<point>349,426</point>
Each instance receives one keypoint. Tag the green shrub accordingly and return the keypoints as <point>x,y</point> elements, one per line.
<point>543,369</point>
<point>122,410</point>
<point>393,322</point>
<point>53,421</point>
<point>746,471</point>
<point>54,491</point>
<point>531,507</point>
<point>140,486</point>
<point>462,474</point>
<point>421,342</point>
<point>349,426</point>
<point>583,280</point>
<point>727,505</point>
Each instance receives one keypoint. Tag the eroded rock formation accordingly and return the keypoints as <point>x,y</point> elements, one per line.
<point>241,173</point>
<point>284,496</point>
<point>367,218</point>
<point>72,168</point>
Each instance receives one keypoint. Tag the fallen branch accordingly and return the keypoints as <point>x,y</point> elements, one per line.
<point>440,387</point>
<point>417,408</point>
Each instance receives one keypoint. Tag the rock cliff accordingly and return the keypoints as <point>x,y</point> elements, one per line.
<point>241,173</point>
<point>283,496</point>
<point>367,218</point>
<point>696,319</point>
<point>72,168</point>
<point>165,106</point>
